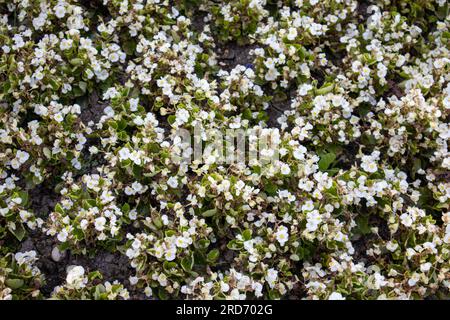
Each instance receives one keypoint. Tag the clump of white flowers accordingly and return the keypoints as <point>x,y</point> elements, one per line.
<point>20,278</point>
<point>80,285</point>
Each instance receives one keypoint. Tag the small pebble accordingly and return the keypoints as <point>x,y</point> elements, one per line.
<point>57,255</point>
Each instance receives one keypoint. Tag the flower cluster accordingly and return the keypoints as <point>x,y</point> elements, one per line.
<point>81,286</point>
<point>19,277</point>
<point>237,19</point>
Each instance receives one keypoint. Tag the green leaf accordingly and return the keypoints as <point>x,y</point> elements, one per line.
<point>129,47</point>
<point>247,114</point>
<point>78,234</point>
<point>364,109</point>
<point>94,275</point>
<point>76,62</point>
<point>99,292</point>
<point>19,232</point>
<point>274,295</point>
<point>158,222</point>
<point>363,225</point>
<point>247,234</point>
<point>113,124</point>
<point>417,164</point>
<point>271,189</point>
<point>171,119</point>
<point>279,96</point>
<point>209,213</point>
<point>294,257</point>
<point>442,11</point>
<point>54,83</point>
<point>235,245</point>
<point>126,208</point>
<point>368,139</point>
<point>326,88</point>
<point>47,152</point>
<point>83,86</point>
<point>213,255</point>
<point>187,263</point>
<point>169,265</point>
<point>89,203</point>
<point>170,233</point>
<point>121,125</point>
<point>326,160</point>
<point>203,244</point>
<point>162,294</point>
<point>24,196</point>
<point>77,92</point>
<point>14,283</point>
<point>59,208</point>
<point>123,136</point>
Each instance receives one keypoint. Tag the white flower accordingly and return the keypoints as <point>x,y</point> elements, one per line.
<point>62,235</point>
<point>181,242</point>
<point>100,223</point>
<point>137,187</point>
<point>285,169</point>
<point>134,104</point>
<point>446,102</point>
<point>425,267</point>
<point>15,164</point>
<point>414,279</point>
<point>113,57</point>
<point>158,251</point>
<point>60,11</point>
<point>136,244</point>
<point>406,220</point>
<point>258,287</point>
<point>25,257</point>
<point>182,116</point>
<point>271,277</point>
<point>111,93</point>
<point>75,163</point>
<point>162,279</point>
<point>83,224</point>
<point>58,117</point>
<point>391,246</point>
<point>304,88</point>
<point>133,280</point>
<point>308,206</point>
<point>172,182</point>
<point>22,156</point>
<point>75,277</point>
<point>138,121</point>
<point>224,287</point>
<point>369,166</point>
<point>272,74</point>
<point>336,296</point>
<point>313,220</point>
<point>132,253</point>
<point>148,291</point>
<point>124,154</point>
<point>379,281</point>
<point>292,34</point>
<point>170,254</point>
<point>132,214</point>
<point>65,44</point>
<point>282,235</point>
